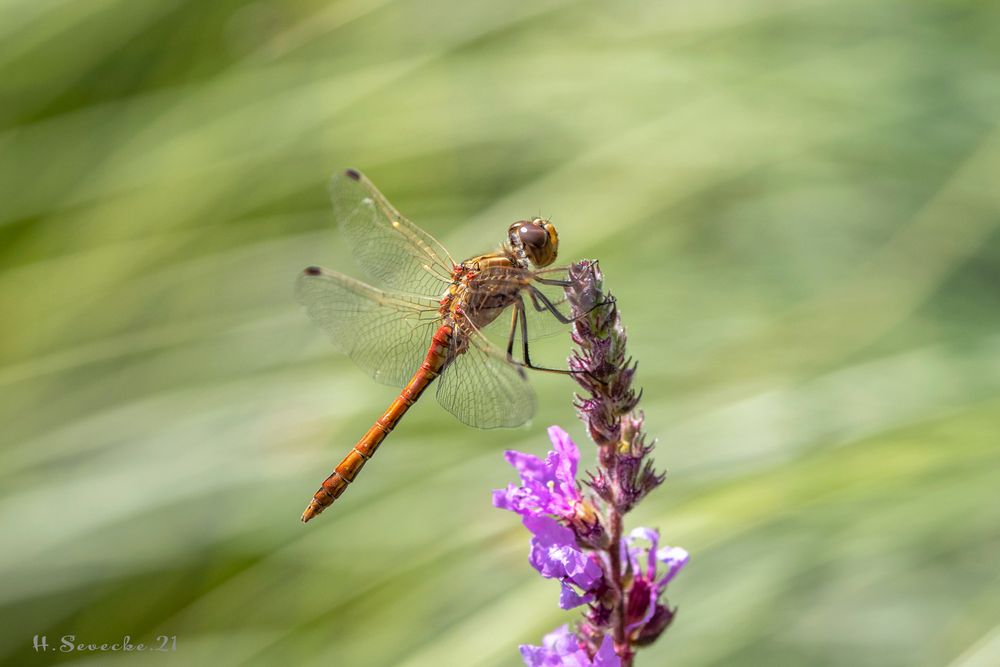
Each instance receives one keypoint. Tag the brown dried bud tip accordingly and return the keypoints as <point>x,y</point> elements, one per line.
<point>588,528</point>
<point>662,617</point>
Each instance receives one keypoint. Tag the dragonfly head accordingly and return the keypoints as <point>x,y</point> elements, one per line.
<point>537,238</point>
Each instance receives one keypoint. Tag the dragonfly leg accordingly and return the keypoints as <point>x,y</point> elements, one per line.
<point>546,304</point>
<point>553,281</point>
<point>543,303</point>
<point>557,281</point>
<point>519,316</point>
<point>513,334</point>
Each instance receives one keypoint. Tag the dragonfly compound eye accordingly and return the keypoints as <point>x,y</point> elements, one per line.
<point>532,234</point>
<point>538,238</point>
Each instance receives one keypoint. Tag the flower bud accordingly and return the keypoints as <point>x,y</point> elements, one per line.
<point>586,523</point>
<point>654,627</point>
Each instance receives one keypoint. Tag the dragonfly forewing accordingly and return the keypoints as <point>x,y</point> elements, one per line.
<point>391,250</point>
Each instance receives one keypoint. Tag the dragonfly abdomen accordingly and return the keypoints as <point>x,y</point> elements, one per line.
<point>345,473</point>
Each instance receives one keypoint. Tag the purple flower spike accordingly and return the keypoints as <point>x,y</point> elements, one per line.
<point>555,554</point>
<point>561,648</point>
<point>547,487</point>
<point>578,528</point>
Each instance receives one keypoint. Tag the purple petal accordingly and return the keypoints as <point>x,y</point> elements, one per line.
<point>555,555</point>
<point>653,537</point>
<point>675,559</point>
<point>536,656</point>
<point>606,656</point>
<point>567,455</point>
<point>561,640</point>
<point>561,562</point>
<point>569,598</point>
<point>504,498</point>
<point>580,567</point>
<point>529,466</point>
<point>560,648</point>
<point>551,546</point>
<point>530,500</point>
<point>589,576</point>
<point>548,530</point>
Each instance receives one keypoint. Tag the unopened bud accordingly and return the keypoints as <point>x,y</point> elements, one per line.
<point>587,525</point>
<point>654,627</point>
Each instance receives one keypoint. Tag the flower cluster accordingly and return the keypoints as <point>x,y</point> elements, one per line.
<point>549,488</point>
<point>577,533</point>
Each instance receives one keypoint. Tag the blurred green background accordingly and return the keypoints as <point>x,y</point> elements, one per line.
<point>796,204</point>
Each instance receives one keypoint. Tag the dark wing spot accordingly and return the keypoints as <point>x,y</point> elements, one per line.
<point>313,271</point>
<point>353,173</point>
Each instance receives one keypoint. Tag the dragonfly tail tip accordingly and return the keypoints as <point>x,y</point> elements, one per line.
<point>311,512</point>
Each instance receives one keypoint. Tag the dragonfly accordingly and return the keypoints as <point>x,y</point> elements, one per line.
<point>425,318</point>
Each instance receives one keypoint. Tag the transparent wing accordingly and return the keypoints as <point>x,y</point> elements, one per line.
<point>391,250</point>
<point>482,389</point>
<point>386,335</point>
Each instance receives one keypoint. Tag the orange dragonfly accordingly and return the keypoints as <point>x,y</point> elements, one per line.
<point>426,318</point>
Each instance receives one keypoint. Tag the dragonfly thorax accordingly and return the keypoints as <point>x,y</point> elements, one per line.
<point>481,290</point>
